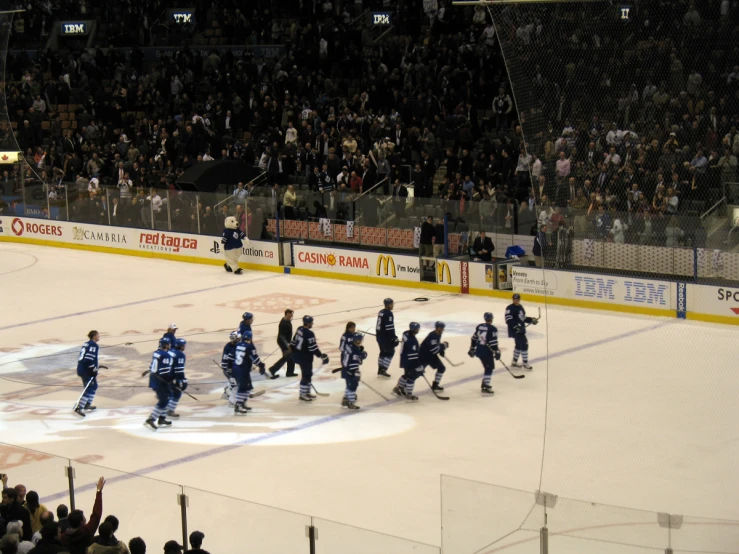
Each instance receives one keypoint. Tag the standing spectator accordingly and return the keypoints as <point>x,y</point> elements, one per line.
<point>400,196</point>
<point>62,512</point>
<point>428,235</point>
<point>80,533</point>
<point>196,542</point>
<point>106,543</point>
<point>439,238</point>
<point>16,528</point>
<point>49,543</point>
<point>137,546</point>
<point>502,106</point>
<point>290,201</point>
<point>284,336</point>
<point>12,510</point>
<point>35,508</point>
<point>563,167</point>
<point>483,247</point>
<point>540,244</point>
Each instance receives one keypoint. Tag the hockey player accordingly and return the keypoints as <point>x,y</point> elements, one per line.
<point>227,360</point>
<point>431,348</point>
<point>87,369</point>
<point>233,240</point>
<point>484,345</point>
<point>351,358</point>
<point>386,338</point>
<point>410,363</point>
<point>160,380</point>
<point>245,357</point>
<point>171,330</point>
<point>246,320</point>
<point>515,317</point>
<point>178,373</point>
<point>304,348</point>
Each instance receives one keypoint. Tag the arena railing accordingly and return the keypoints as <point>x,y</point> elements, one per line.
<point>482,518</point>
<point>668,246</point>
<point>160,511</point>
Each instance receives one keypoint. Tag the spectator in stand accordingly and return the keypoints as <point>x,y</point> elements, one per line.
<point>540,245</point>
<point>16,528</point>
<point>50,542</point>
<point>289,202</point>
<point>106,543</point>
<point>35,508</point>
<point>196,543</point>
<point>439,238</point>
<point>62,512</point>
<point>428,235</point>
<point>9,544</point>
<point>12,510</point>
<point>173,547</point>
<point>137,546</point>
<point>21,490</point>
<point>80,533</point>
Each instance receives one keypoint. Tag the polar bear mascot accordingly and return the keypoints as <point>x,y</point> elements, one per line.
<point>233,240</point>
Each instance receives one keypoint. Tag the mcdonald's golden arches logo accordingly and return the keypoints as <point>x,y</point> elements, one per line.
<point>442,269</point>
<point>387,263</point>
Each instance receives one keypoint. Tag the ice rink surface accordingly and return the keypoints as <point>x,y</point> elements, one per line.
<point>640,412</point>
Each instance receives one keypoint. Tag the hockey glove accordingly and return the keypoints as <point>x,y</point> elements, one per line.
<point>396,341</point>
<point>534,321</point>
<point>261,367</point>
<point>471,352</point>
<point>445,344</point>
<point>528,319</point>
<point>361,348</point>
<point>363,355</point>
<point>518,329</point>
<point>324,358</point>
<point>497,354</point>
<point>182,385</point>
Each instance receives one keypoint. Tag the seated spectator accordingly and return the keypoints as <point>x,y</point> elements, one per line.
<point>196,543</point>
<point>9,544</point>
<point>80,533</point>
<point>16,528</point>
<point>36,510</point>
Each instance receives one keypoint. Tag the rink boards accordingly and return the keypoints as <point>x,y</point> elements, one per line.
<point>567,288</point>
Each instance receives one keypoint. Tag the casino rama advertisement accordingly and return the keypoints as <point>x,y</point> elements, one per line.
<point>354,262</point>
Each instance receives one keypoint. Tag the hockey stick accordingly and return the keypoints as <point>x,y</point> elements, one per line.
<point>509,371</point>
<point>432,390</point>
<point>451,363</point>
<point>76,404</point>
<point>170,384</point>
<point>370,387</point>
<point>318,393</point>
<point>254,395</point>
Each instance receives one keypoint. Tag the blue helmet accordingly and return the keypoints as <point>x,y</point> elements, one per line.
<point>307,320</point>
<point>414,327</point>
<point>235,336</point>
<point>517,296</point>
<point>180,343</point>
<point>488,316</point>
<point>439,325</point>
<point>358,337</point>
<point>165,341</point>
<point>248,315</point>
<point>246,335</point>
<point>388,301</point>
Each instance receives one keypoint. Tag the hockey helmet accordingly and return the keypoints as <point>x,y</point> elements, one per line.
<point>516,296</point>
<point>235,336</point>
<point>247,315</point>
<point>231,223</point>
<point>165,342</point>
<point>439,325</point>
<point>246,335</point>
<point>180,344</point>
<point>488,316</point>
<point>414,327</point>
<point>388,301</point>
<point>172,326</point>
<point>307,320</point>
<point>358,337</point>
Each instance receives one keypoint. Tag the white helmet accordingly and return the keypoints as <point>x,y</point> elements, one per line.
<point>231,223</point>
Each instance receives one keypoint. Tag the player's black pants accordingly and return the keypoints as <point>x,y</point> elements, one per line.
<point>287,357</point>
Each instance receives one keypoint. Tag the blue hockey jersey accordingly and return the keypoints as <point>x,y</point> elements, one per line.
<point>515,318</point>
<point>245,356</point>
<point>232,238</point>
<point>162,363</point>
<point>431,347</point>
<point>385,328</point>
<point>227,358</point>
<point>87,362</point>
<point>485,339</point>
<point>352,357</point>
<point>304,345</point>
<point>409,352</point>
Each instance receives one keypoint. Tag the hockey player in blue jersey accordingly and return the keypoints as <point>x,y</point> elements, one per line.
<point>233,240</point>
<point>227,360</point>
<point>515,318</point>
<point>304,348</point>
<point>245,357</point>
<point>160,380</point>
<point>484,345</point>
<point>87,369</point>
<point>387,340</point>
<point>346,339</point>
<point>246,320</point>
<point>171,330</point>
<point>431,348</point>
<point>178,373</point>
<point>409,362</point>
<point>351,358</point>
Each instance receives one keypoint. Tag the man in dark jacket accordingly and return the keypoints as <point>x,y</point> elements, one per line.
<point>428,235</point>
<point>483,247</point>
<point>49,543</point>
<point>80,533</point>
<point>12,510</point>
<point>284,336</point>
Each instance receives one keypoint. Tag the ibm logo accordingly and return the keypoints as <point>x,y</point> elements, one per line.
<point>594,287</point>
<point>182,17</point>
<point>646,293</point>
<point>381,19</point>
<point>74,28</point>
<point>625,12</point>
